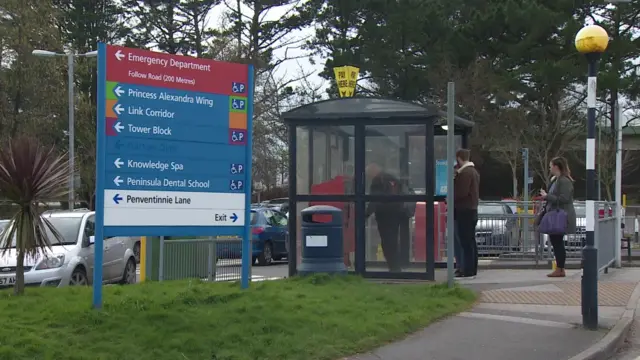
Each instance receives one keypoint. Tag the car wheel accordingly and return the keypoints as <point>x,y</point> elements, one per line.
<point>136,251</point>
<point>129,276</point>
<point>266,257</point>
<point>78,277</point>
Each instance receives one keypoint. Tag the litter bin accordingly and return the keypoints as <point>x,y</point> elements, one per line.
<point>322,242</point>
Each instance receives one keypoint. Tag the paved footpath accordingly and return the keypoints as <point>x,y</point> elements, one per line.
<point>522,314</point>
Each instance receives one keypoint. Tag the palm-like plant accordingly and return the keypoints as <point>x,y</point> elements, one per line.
<point>30,174</point>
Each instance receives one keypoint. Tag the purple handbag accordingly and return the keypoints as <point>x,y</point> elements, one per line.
<point>554,222</point>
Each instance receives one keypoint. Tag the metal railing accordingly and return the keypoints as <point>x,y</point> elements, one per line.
<point>207,259</point>
<point>605,237</point>
<point>506,231</point>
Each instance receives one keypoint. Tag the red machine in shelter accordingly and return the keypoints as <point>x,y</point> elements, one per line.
<point>439,228</point>
<point>339,185</point>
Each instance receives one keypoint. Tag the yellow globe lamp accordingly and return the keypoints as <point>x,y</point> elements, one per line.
<point>592,39</point>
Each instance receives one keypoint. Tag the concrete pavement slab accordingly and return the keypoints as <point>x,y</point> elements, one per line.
<point>608,315</point>
<point>463,338</point>
<point>519,327</point>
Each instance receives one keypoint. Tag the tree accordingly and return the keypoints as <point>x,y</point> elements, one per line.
<point>607,163</point>
<point>83,24</point>
<point>26,82</point>
<point>618,75</point>
<point>337,35</point>
<point>506,139</point>
<point>196,30</point>
<point>555,129</point>
<point>159,24</point>
<point>30,175</point>
<point>264,41</point>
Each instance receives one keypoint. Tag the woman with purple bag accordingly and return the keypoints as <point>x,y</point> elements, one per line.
<point>559,216</point>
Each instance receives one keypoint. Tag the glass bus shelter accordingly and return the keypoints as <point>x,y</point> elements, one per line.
<point>331,143</point>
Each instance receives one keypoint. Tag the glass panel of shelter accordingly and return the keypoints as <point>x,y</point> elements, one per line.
<point>325,157</point>
<point>325,160</point>
<point>390,230</point>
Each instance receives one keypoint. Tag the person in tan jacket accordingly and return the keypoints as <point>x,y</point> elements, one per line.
<point>466,198</point>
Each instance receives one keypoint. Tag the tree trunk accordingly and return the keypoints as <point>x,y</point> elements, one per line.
<point>18,288</point>
<point>514,178</point>
<point>239,28</point>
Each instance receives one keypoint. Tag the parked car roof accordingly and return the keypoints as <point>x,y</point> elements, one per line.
<point>67,213</point>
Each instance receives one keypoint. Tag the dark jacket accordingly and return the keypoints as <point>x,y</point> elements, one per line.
<point>466,187</point>
<point>384,184</point>
<point>560,196</point>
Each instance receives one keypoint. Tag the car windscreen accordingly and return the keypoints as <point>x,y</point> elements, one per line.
<point>254,218</point>
<point>68,227</point>
<point>490,209</point>
<point>581,210</point>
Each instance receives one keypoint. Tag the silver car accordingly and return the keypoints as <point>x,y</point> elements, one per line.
<point>496,231</point>
<point>71,260</point>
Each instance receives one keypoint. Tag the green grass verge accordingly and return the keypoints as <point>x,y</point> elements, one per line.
<point>312,318</point>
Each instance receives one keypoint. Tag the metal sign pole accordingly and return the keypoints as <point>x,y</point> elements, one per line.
<point>618,187</point>
<point>451,157</point>
<point>525,197</point>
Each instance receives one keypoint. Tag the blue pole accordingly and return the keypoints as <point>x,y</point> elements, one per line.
<point>100,149</point>
<point>247,255</point>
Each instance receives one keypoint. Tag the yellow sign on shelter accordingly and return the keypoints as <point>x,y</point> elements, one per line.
<point>346,78</point>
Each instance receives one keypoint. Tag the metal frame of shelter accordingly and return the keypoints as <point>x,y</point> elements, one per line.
<point>361,113</point>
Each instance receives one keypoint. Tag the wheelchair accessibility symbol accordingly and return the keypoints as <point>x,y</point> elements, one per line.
<point>238,104</point>
<point>236,185</point>
<point>238,88</point>
<point>237,169</point>
<point>237,136</point>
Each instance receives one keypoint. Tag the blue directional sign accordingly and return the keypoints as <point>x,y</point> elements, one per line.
<point>173,147</point>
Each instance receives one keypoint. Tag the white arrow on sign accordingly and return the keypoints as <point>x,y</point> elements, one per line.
<point>117,181</point>
<point>118,91</point>
<point>118,109</point>
<point>118,163</point>
<point>118,126</point>
<point>119,55</point>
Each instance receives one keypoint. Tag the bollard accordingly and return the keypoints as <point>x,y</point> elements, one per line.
<point>322,241</point>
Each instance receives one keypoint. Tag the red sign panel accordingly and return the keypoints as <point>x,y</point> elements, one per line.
<point>142,67</point>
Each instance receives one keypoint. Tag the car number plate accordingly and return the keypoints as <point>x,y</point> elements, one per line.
<point>7,280</point>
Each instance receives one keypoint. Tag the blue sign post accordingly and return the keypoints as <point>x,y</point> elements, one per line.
<point>173,149</point>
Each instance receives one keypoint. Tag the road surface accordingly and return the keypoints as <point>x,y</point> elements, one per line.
<point>630,350</point>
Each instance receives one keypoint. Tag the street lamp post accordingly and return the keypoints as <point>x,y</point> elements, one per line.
<point>591,41</point>
<point>70,72</point>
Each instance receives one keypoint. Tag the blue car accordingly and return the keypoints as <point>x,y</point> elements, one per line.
<point>269,238</point>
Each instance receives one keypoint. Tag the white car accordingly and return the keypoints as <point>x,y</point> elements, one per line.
<point>71,261</point>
